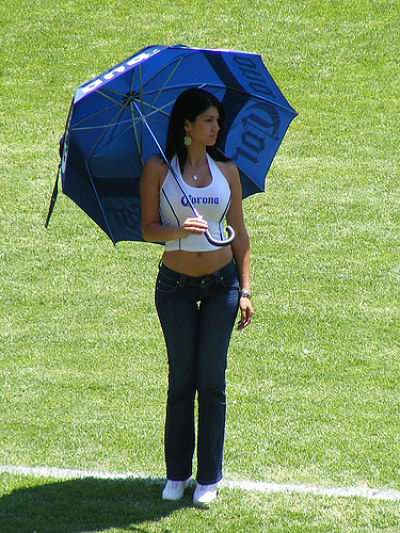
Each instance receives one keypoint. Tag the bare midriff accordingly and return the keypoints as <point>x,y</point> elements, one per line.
<point>198,264</point>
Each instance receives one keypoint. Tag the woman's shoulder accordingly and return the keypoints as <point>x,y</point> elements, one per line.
<point>154,173</point>
<point>228,169</point>
<point>155,162</point>
<point>155,168</point>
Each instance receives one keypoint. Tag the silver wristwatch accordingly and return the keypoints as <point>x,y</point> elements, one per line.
<point>245,294</point>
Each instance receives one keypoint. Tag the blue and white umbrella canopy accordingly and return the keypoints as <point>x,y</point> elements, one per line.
<point>119,119</point>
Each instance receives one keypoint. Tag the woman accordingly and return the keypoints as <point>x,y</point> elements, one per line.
<point>199,287</point>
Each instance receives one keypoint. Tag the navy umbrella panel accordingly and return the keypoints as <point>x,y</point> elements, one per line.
<point>119,119</point>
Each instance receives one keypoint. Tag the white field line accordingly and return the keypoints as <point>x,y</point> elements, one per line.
<point>256,486</point>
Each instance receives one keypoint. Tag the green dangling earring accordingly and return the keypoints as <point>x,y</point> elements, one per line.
<point>187,141</point>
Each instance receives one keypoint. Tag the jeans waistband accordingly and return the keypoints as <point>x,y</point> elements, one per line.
<point>184,279</point>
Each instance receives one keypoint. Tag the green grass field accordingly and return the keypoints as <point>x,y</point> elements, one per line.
<point>313,386</point>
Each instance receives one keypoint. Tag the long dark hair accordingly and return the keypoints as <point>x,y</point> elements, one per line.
<point>188,106</point>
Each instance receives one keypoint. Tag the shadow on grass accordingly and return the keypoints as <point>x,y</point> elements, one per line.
<point>85,505</point>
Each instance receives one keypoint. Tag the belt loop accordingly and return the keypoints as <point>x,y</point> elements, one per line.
<point>181,280</point>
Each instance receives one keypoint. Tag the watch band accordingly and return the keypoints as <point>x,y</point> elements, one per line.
<point>245,294</point>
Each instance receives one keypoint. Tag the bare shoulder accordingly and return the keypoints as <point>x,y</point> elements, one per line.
<point>155,169</point>
<point>155,164</point>
<point>229,170</point>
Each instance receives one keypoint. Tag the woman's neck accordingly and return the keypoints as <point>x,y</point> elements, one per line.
<point>196,156</point>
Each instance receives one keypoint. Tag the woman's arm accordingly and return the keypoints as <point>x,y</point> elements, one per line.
<point>240,246</point>
<point>153,174</point>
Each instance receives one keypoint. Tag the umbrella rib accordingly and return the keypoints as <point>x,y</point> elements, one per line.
<point>132,79</point>
<point>142,112</point>
<point>101,111</point>
<point>155,110</point>
<point>115,102</point>
<point>140,152</point>
<point>105,95</point>
<point>105,130</point>
<point>111,91</point>
<point>166,81</point>
<point>99,202</point>
<point>143,85</point>
<point>174,60</point>
<point>133,120</point>
<point>151,106</point>
<point>89,128</point>
<point>163,68</point>
<point>109,126</point>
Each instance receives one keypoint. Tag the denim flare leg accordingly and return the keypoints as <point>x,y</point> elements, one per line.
<point>197,315</point>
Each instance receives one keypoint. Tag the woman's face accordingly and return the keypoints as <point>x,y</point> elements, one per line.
<point>205,128</point>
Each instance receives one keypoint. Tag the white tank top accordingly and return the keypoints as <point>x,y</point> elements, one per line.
<point>212,202</point>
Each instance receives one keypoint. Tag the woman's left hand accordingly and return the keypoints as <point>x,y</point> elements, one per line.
<point>246,310</point>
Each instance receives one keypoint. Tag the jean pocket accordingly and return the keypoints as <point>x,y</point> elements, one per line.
<point>231,280</point>
<point>165,284</point>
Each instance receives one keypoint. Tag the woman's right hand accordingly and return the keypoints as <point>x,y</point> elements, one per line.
<point>195,226</point>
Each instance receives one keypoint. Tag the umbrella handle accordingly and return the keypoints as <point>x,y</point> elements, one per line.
<point>231,236</point>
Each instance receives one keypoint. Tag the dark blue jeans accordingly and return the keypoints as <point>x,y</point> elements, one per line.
<point>197,316</point>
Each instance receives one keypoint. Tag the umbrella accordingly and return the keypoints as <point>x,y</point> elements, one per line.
<point>120,118</point>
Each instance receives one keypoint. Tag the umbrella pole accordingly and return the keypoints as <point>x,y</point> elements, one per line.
<point>230,231</point>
